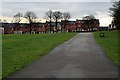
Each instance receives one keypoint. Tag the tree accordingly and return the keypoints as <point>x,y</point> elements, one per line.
<point>56,16</point>
<point>115,13</point>
<point>49,15</point>
<point>30,16</point>
<point>66,16</point>
<point>89,22</point>
<point>88,17</point>
<point>17,19</point>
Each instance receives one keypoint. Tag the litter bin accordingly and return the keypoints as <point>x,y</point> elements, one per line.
<point>102,34</point>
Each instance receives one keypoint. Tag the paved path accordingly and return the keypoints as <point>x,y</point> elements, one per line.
<point>80,57</point>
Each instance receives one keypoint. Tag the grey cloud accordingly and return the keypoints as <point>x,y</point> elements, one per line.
<point>77,9</point>
<point>57,0</point>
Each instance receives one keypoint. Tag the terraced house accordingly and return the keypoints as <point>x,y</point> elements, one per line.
<point>63,26</point>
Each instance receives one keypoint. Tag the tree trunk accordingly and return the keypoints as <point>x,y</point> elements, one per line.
<point>56,25</point>
<point>65,26</point>
<point>30,27</point>
<point>50,25</point>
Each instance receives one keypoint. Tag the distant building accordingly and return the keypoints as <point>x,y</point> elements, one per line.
<point>81,25</point>
<point>63,26</point>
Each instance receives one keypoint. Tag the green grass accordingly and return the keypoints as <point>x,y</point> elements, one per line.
<point>21,50</point>
<point>109,44</point>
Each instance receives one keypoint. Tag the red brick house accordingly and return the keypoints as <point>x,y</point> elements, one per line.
<point>8,28</point>
<point>63,26</point>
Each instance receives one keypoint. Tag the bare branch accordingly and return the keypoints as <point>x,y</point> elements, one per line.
<point>30,16</point>
<point>17,17</point>
<point>49,14</point>
<point>66,16</point>
<point>57,15</point>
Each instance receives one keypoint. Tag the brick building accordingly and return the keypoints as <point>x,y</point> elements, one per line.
<point>63,26</point>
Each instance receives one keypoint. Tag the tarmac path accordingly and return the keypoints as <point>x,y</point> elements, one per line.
<point>79,57</point>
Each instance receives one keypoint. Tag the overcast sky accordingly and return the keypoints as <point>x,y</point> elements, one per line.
<point>77,9</point>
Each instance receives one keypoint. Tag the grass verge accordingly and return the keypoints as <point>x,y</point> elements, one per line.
<point>20,50</point>
<point>109,44</point>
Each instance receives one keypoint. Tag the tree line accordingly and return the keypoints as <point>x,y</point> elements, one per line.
<point>50,15</point>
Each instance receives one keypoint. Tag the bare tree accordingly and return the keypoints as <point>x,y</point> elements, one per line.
<point>56,16</point>
<point>17,17</point>
<point>115,13</point>
<point>89,22</point>
<point>66,16</point>
<point>16,20</point>
<point>90,17</point>
<point>49,15</point>
<point>30,16</point>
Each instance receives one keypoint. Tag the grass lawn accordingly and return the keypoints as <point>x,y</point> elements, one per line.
<point>20,50</point>
<point>109,44</point>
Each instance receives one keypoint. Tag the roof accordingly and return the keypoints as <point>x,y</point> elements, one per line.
<point>54,23</point>
<point>9,25</point>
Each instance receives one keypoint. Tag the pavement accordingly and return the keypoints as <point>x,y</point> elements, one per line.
<point>79,57</point>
